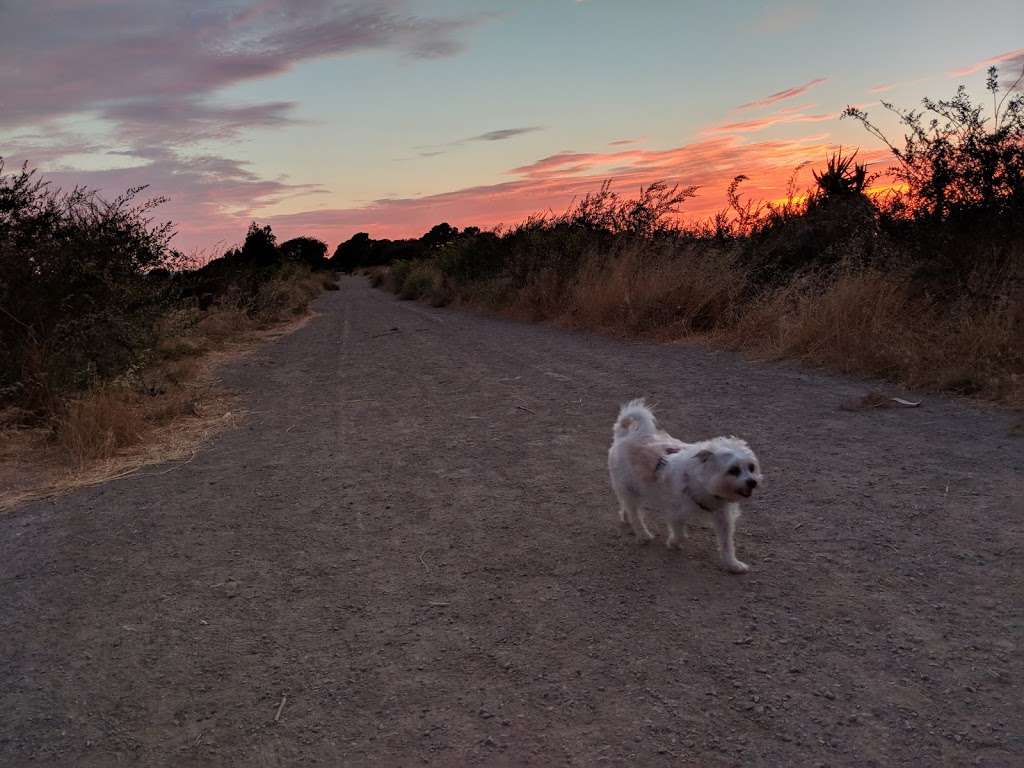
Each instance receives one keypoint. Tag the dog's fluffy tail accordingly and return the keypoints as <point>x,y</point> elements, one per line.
<point>635,417</point>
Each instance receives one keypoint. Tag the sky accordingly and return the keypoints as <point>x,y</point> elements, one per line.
<point>326,118</point>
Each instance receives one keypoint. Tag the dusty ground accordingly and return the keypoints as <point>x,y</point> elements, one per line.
<point>411,544</point>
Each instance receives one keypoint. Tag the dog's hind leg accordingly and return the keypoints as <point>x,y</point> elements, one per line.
<point>725,528</point>
<point>644,535</point>
<point>623,514</point>
<point>635,517</point>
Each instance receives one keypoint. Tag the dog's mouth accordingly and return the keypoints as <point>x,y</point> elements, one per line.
<point>744,492</point>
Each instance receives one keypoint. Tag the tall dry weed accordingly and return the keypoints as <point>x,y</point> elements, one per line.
<point>99,424</point>
<point>673,293</point>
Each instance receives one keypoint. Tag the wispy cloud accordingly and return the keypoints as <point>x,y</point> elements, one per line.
<point>788,93</point>
<point>621,142</point>
<point>781,117</point>
<point>1014,58</point>
<point>59,58</point>
<point>886,87</point>
<point>502,134</point>
<point>552,182</point>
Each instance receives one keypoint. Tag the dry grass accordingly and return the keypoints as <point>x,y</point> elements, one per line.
<point>100,424</point>
<point>286,296</point>
<point>871,323</point>
<point>858,323</point>
<point>853,320</point>
<point>667,296</point>
<point>158,414</point>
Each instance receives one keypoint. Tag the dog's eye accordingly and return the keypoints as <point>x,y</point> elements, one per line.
<point>735,471</point>
<point>753,468</point>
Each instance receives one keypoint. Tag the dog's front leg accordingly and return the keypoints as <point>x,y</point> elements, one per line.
<point>725,528</point>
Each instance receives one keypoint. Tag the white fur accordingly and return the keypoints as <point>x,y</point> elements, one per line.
<point>651,470</point>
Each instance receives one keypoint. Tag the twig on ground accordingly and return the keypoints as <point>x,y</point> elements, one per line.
<point>280,707</point>
<point>524,408</point>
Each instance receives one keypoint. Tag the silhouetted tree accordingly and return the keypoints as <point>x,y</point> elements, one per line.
<point>306,250</point>
<point>439,235</point>
<point>260,247</point>
<point>353,253</point>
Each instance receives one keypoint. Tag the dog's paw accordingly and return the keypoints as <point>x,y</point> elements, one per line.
<point>644,539</point>
<point>674,544</point>
<point>737,567</point>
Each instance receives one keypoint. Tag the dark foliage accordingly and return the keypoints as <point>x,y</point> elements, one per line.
<point>306,250</point>
<point>238,274</point>
<point>963,209</point>
<point>361,251</point>
<point>82,282</point>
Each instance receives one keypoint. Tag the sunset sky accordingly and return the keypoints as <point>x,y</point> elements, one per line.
<point>328,118</point>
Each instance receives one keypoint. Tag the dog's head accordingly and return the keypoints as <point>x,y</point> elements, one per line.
<point>728,469</point>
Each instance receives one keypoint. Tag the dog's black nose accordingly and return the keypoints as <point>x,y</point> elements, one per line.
<point>751,483</point>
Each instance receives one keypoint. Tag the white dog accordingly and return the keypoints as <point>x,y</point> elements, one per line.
<point>652,470</point>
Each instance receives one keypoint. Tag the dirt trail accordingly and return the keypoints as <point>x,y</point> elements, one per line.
<point>412,545</point>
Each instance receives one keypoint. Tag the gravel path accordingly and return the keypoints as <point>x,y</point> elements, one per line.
<point>409,554</point>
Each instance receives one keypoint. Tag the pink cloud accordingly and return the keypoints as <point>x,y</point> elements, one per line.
<point>782,117</point>
<point>551,183</point>
<point>212,199</point>
<point>789,93</point>
<point>1013,57</point>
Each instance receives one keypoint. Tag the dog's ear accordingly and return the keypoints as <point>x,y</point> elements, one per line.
<point>704,455</point>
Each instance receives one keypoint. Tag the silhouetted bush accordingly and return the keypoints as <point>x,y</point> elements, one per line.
<point>85,285</point>
<point>963,206</point>
<point>82,283</point>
